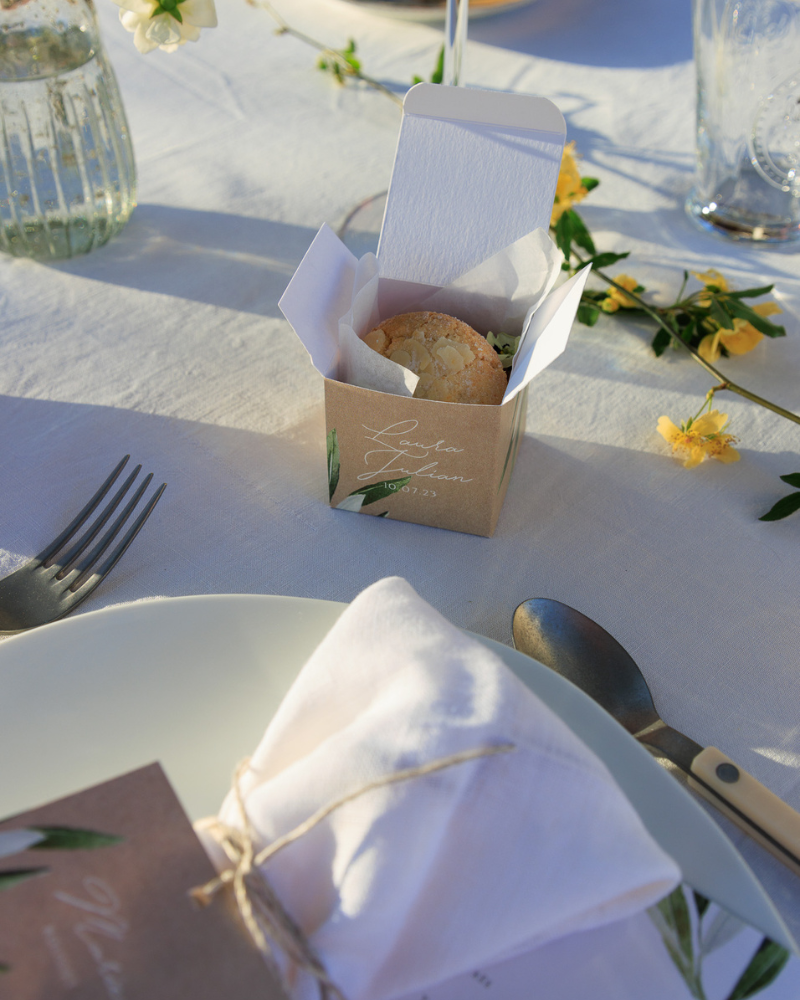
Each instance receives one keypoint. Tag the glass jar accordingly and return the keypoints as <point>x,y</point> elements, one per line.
<point>67,173</point>
<point>747,55</point>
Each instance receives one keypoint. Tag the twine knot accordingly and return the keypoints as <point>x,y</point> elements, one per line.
<point>262,912</point>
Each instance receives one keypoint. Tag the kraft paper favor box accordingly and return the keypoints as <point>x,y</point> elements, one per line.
<point>474,176</point>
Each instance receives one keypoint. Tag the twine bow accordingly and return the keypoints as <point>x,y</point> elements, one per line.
<point>262,912</point>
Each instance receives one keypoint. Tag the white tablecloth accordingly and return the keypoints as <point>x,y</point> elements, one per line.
<point>168,343</point>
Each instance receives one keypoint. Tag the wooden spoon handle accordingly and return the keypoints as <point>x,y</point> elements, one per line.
<point>750,802</point>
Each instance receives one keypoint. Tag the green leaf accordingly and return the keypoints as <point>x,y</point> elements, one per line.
<point>168,7</point>
<point>761,323</point>
<point>750,293</point>
<point>675,911</point>
<point>764,968</point>
<point>11,878</point>
<point>671,917</point>
<point>580,234</point>
<point>590,183</point>
<point>506,346</point>
<point>415,79</point>
<point>438,72</point>
<point>64,838</point>
<point>783,508</point>
<point>661,342</point>
<point>564,233</point>
<point>379,491</point>
<point>792,479</point>
<point>349,55</point>
<point>687,330</point>
<point>606,259</point>
<point>333,463</point>
<point>719,313</point>
<point>588,313</point>
<point>701,902</point>
<point>503,342</point>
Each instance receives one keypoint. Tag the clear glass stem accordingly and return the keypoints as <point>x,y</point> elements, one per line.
<point>455,38</point>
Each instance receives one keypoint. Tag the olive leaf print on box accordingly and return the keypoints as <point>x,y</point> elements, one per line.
<point>692,928</point>
<point>365,494</point>
<point>44,838</point>
<point>333,463</point>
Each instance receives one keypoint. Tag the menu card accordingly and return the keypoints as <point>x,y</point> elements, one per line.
<point>95,903</point>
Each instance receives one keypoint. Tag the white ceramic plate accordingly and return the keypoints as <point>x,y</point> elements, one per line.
<point>434,10</point>
<point>193,682</point>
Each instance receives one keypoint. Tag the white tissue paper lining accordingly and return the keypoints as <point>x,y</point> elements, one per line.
<point>501,294</point>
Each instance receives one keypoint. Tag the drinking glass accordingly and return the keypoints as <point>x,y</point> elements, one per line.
<point>67,174</point>
<point>747,54</point>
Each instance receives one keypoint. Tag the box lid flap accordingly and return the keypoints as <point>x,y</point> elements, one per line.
<point>474,171</point>
<point>319,293</point>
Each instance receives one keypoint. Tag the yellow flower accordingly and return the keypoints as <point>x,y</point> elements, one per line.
<point>701,438</point>
<point>569,188</point>
<point>616,298</point>
<point>740,340</point>
<point>711,277</point>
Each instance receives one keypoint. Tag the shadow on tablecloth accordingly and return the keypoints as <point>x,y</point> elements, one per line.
<point>232,261</point>
<point>616,33</point>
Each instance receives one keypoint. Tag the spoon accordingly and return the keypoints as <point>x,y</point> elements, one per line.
<point>581,651</point>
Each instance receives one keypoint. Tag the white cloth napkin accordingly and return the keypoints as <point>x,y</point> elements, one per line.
<point>419,881</point>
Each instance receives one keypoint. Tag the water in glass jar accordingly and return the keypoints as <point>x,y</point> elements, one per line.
<point>67,174</point>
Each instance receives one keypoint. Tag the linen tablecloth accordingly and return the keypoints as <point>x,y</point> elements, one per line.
<point>168,343</point>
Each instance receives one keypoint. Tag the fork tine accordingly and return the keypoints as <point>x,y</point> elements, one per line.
<point>89,509</point>
<point>119,551</point>
<point>71,557</point>
<point>89,560</point>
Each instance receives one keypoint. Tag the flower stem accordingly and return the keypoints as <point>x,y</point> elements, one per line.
<point>724,383</point>
<point>284,28</point>
<point>706,402</point>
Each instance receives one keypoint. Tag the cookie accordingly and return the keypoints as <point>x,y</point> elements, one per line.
<point>454,362</point>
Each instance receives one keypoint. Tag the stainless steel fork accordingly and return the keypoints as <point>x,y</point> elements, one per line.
<point>53,584</point>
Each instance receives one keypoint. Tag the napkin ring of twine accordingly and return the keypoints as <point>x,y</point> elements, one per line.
<point>261,911</point>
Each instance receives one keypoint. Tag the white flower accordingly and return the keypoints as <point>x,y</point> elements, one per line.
<point>166,24</point>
